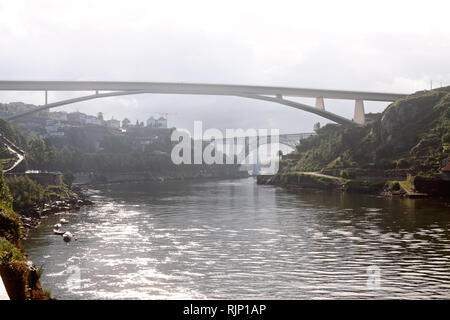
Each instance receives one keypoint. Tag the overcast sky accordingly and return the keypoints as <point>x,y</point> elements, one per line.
<point>391,46</point>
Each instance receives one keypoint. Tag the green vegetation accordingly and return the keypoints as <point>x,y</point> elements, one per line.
<point>365,186</point>
<point>412,133</point>
<point>395,186</point>
<point>309,181</point>
<point>26,192</point>
<point>5,196</point>
<point>68,178</point>
<point>412,136</point>
<point>48,293</point>
<point>347,174</point>
<point>406,185</point>
<point>9,224</point>
<point>21,280</point>
<point>13,134</point>
<point>42,155</point>
<point>9,253</point>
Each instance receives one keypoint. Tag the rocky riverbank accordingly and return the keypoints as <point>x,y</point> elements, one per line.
<point>414,187</point>
<point>31,217</point>
<point>403,151</point>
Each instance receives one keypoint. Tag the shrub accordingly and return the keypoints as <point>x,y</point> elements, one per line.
<point>48,293</point>
<point>396,186</point>
<point>5,195</point>
<point>446,138</point>
<point>403,164</point>
<point>25,192</point>
<point>9,224</point>
<point>9,253</point>
<point>68,178</point>
<point>347,174</point>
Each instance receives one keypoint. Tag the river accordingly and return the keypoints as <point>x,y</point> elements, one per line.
<point>228,239</point>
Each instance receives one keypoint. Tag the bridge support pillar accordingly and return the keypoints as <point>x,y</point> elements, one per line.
<point>319,103</point>
<point>256,163</point>
<point>359,116</point>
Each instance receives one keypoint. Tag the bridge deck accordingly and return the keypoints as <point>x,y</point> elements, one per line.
<point>194,88</point>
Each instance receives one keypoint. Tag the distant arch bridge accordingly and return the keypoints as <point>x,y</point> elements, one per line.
<point>249,146</point>
<point>265,93</point>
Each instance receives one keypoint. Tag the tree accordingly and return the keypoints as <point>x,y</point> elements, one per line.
<point>280,154</point>
<point>37,149</point>
<point>316,126</point>
<point>126,123</point>
<point>68,178</point>
<point>5,195</point>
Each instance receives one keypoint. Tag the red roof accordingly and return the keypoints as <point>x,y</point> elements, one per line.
<point>447,167</point>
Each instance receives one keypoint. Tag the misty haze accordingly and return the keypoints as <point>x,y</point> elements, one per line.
<point>203,150</point>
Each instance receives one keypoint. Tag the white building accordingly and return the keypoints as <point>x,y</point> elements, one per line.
<point>54,128</point>
<point>77,117</point>
<point>161,123</point>
<point>151,122</point>
<point>115,124</point>
<point>93,120</point>
<point>157,123</point>
<point>59,116</point>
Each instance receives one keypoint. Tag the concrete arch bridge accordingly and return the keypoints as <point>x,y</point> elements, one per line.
<point>279,95</point>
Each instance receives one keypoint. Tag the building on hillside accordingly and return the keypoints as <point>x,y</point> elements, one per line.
<point>58,116</point>
<point>32,123</point>
<point>161,123</point>
<point>53,128</point>
<point>113,123</point>
<point>76,118</point>
<point>17,107</point>
<point>94,120</point>
<point>151,122</point>
<point>157,123</point>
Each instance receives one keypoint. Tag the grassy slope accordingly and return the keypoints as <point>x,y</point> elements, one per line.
<point>413,132</point>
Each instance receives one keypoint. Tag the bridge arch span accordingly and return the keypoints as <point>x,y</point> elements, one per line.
<point>323,113</point>
<point>265,93</point>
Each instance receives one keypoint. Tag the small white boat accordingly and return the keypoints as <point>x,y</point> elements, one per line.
<point>67,236</point>
<point>63,221</point>
<point>57,226</point>
<point>59,232</point>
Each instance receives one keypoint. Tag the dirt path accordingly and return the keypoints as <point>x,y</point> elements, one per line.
<point>14,149</point>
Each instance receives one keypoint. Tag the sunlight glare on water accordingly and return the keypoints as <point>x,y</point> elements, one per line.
<point>234,239</point>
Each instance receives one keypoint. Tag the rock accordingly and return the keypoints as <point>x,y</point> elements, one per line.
<point>67,237</point>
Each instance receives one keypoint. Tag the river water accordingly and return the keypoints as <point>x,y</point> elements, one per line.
<point>227,239</point>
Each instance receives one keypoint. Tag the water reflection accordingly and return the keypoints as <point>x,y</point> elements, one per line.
<point>234,239</point>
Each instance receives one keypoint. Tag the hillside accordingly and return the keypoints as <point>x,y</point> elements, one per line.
<point>114,159</point>
<point>20,276</point>
<point>411,136</point>
<point>413,133</point>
